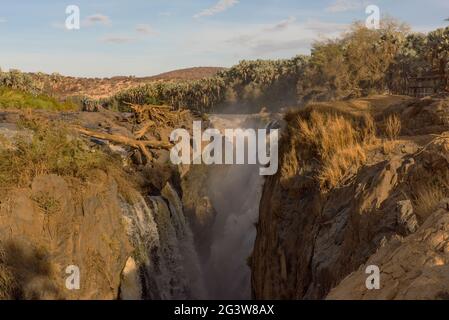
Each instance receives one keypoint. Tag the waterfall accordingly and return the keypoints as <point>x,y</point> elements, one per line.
<point>164,251</point>
<point>236,197</point>
<point>179,256</point>
<point>166,264</point>
<point>235,193</point>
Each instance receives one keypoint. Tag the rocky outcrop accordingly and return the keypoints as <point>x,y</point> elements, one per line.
<point>385,213</point>
<point>55,224</point>
<point>198,206</point>
<point>415,267</point>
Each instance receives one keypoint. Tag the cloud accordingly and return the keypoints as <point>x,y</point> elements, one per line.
<point>345,5</point>
<point>270,46</point>
<point>220,6</point>
<point>117,39</point>
<point>282,24</point>
<point>325,27</point>
<point>3,20</point>
<point>142,29</point>
<point>289,35</point>
<point>145,29</point>
<point>284,38</point>
<point>97,19</point>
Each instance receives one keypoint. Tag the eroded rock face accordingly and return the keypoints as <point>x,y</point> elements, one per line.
<point>415,267</point>
<point>318,239</point>
<point>309,241</point>
<point>130,285</point>
<point>56,223</point>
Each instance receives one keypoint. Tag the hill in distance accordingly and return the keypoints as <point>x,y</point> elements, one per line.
<point>66,86</point>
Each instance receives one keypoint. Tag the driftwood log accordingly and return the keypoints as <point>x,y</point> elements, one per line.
<point>147,117</point>
<point>142,145</point>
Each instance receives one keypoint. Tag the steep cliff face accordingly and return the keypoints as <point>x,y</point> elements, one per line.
<point>139,249</point>
<point>331,207</point>
<point>54,224</point>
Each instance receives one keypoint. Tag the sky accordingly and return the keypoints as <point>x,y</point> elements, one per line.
<point>147,37</point>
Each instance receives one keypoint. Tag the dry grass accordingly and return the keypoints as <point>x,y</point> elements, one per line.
<point>328,143</point>
<point>393,127</point>
<point>51,149</point>
<point>428,195</point>
<point>48,204</point>
<point>54,149</point>
<point>344,162</point>
<point>8,284</point>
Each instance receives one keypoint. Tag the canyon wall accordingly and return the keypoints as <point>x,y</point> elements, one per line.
<point>388,209</point>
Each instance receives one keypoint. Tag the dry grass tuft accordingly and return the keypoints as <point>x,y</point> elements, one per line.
<point>393,127</point>
<point>329,144</point>
<point>8,284</point>
<point>341,164</point>
<point>427,196</point>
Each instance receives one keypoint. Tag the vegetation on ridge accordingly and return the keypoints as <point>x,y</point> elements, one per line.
<point>359,63</point>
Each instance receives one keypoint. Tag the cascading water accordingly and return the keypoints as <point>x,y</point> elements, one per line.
<point>235,193</point>
<point>236,197</point>
<point>169,266</point>
<point>165,254</point>
<point>178,251</point>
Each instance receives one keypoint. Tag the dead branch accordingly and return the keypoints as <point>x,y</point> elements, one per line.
<point>149,116</point>
<point>144,129</point>
<point>142,145</point>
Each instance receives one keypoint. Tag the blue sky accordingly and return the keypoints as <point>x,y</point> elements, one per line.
<point>146,37</point>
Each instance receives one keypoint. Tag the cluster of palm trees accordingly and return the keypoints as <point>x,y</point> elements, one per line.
<point>17,80</point>
<point>200,94</point>
<point>241,82</point>
<point>421,55</point>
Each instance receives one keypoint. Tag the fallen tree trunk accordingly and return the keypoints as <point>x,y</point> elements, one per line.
<point>142,145</point>
<point>144,129</point>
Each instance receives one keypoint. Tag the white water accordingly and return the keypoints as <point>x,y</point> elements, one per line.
<point>168,264</point>
<point>165,252</point>
<point>235,193</point>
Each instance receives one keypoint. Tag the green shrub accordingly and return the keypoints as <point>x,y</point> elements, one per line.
<point>17,99</point>
<point>50,149</point>
<point>18,80</point>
